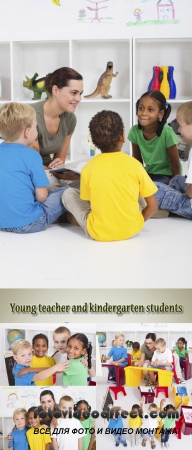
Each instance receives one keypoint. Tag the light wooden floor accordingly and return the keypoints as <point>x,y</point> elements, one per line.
<point>63,257</point>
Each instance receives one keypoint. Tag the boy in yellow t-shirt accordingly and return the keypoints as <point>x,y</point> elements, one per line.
<point>38,437</point>
<point>135,353</point>
<point>107,206</point>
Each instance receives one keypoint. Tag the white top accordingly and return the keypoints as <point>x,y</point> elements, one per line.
<point>59,357</point>
<point>70,440</point>
<point>163,357</point>
<point>150,422</point>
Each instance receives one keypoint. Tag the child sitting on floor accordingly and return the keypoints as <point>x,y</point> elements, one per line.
<point>107,206</point>
<point>26,206</point>
<point>177,197</point>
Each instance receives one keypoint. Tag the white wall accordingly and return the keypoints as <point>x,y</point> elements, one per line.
<point>41,19</point>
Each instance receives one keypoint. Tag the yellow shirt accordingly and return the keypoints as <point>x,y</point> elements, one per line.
<point>135,423</point>
<point>136,356</point>
<point>112,183</point>
<point>37,441</point>
<point>46,361</point>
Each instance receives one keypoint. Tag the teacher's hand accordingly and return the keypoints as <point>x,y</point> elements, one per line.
<point>57,162</point>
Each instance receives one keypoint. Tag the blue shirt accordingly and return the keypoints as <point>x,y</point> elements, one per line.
<point>19,441</point>
<point>115,423</point>
<point>118,353</point>
<point>24,380</point>
<point>21,171</point>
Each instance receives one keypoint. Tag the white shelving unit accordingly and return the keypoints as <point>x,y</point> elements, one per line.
<point>6,425</point>
<point>30,331</point>
<point>170,336</point>
<point>19,59</point>
<point>175,52</point>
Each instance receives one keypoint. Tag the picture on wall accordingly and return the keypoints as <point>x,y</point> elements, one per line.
<point>152,12</point>
<point>91,11</point>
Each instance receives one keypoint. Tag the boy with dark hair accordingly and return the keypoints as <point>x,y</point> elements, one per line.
<point>107,206</point>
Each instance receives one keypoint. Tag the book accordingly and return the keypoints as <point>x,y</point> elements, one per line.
<point>75,166</point>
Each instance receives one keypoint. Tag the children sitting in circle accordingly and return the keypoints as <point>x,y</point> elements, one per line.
<point>94,207</point>
<point>118,353</point>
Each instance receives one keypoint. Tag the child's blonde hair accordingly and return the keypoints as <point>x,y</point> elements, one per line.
<point>20,343</point>
<point>66,398</point>
<point>14,118</point>
<point>186,112</point>
<point>60,330</point>
<point>161,342</point>
<point>19,411</point>
<point>117,335</point>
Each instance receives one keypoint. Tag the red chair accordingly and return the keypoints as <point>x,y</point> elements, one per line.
<point>178,427</point>
<point>187,366</point>
<point>119,371</point>
<point>163,389</point>
<point>117,389</point>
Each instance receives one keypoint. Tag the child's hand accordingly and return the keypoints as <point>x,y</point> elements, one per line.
<point>45,426</point>
<point>182,399</point>
<point>9,437</point>
<point>110,406</point>
<point>84,362</point>
<point>62,366</point>
<point>54,422</point>
<point>142,402</point>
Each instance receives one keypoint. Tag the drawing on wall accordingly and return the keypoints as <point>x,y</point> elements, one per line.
<point>152,12</point>
<point>67,4</point>
<point>97,11</point>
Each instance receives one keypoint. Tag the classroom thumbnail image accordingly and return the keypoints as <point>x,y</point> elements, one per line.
<point>144,354</point>
<point>143,417</point>
<point>48,354</point>
<point>47,419</point>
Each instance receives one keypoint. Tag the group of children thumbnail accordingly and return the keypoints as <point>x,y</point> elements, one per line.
<point>30,431</point>
<point>162,357</point>
<point>144,425</point>
<point>107,206</point>
<point>72,360</point>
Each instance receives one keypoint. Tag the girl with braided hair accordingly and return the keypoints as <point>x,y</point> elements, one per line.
<point>153,141</point>
<point>77,347</point>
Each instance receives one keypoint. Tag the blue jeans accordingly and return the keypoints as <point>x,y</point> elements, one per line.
<point>52,207</point>
<point>112,369</point>
<point>173,200</point>
<point>119,438</point>
<point>165,435</point>
<point>165,179</point>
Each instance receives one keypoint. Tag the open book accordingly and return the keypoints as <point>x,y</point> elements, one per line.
<point>75,166</point>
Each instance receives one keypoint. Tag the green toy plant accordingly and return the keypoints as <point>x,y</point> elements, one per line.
<point>37,86</point>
